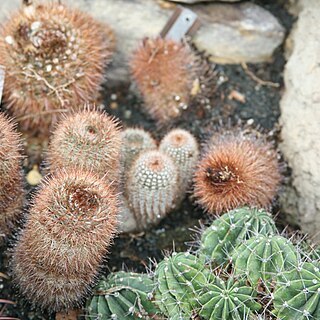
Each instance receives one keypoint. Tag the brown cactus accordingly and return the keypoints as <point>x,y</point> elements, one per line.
<point>71,223</point>
<point>55,59</point>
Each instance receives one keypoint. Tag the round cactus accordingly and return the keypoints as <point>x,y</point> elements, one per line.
<point>11,178</point>
<point>152,187</point>
<point>88,139</point>
<point>297,293</point>
<point>263,257</point>
<point>183,148</point>
<point>55,59</point>
<point>179,279</point>
<point>227,300</point>
<point>126,217</point>
<point>71,223</point>
<point>231,229</point>
<point>237,171</point>
<point>122,296</point>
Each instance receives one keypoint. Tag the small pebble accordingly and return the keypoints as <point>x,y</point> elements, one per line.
<point>34,176</point>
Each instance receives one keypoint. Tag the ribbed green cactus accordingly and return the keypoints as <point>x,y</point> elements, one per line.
<point>263,257</point>
<point>227,300</point>
<point>122,296</point>
<point>179,278</point>
<point>231,229</point>
<point>297,294</point>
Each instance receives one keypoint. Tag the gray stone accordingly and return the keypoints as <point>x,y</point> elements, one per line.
<point>300,120</point>
<point>199,1</point>
<point>231,33</point>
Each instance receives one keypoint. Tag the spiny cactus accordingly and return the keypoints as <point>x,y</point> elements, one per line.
<point>263,257</point>
<point>152,187</point>
<point>71,223</point>
<point>297,293</point>
<point>236,171</point>
<point>134,141</point>
<point>55,58</point>
<point>183,148</point>
<point>227,300</point>
<point>121,296</point>
<point>11,180</point>
<point>179,278</point>
<point>231,229</point>
<point>165,72</point>
<point>88,139</point>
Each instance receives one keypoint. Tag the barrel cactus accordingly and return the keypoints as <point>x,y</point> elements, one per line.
<point>297,293</point>
<point>122,295</point>
<point>227,232</point>
<point>263,257</point>
<point>227,300</point>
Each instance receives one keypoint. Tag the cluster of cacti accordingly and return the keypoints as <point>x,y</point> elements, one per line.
<point>11,179</point>
<point>236,170</point>
<point>55,59</point>
<point>169,76</point>
<point>155,180</point>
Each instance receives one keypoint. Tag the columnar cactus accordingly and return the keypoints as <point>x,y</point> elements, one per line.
<point>236,171</point>
<point>11,179</point>
<point>263,257</point>
<point>228,300</point>
<point>55,59</point>
<point>230,230</point>
<point>122,295</point>
<point>183,148</point>
<point>297,293</point>
<point>152,187</point>
<point>88,139</point>
<point>165,72</point>
<point>71,223</point>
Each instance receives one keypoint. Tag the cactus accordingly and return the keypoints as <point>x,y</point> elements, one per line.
<point>89,140</point>
<point>71,223</point>
<point>237,170</point>
<point>231,229</point>
<point>152,187</point>
<point>122,296</point>
<point>263,257</point>
<point>179,278</point>
<point>11,179</point>
<point>227,300</point>
<point>55,59</point>
<point>297,293</point>
<point>183,148</point>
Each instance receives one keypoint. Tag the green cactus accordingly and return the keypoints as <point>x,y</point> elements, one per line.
<point>227,300</point>
<point>179,278</point>
<point>297,294</point>
<point>227,232</point>
<point>263,257</point>
<point>122,296</point>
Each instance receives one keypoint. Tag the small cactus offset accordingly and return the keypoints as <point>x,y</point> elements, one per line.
<point>122,296</point>
<point>87,139</point>
<point>227,300</point>
<point>152,187</point>
<point>262,257</point>
<point>227,232</point>
<point>297,293</point>
<point>179,278</point>
<point>183,148</point>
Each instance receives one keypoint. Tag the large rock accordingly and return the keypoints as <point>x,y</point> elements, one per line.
<point>198,1</point>
<point>231,33</point>
<point>300,120</point>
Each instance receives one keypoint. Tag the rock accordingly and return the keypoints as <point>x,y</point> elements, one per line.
<point>300,120</point>
<point>197,1</point>
<point>231,33</point>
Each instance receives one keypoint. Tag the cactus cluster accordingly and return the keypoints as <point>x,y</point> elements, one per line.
<point>155,180</point>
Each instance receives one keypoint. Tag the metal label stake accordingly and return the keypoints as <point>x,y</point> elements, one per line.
<point>2,74</point>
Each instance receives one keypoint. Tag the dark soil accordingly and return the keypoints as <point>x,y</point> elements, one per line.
<point>238,97</point>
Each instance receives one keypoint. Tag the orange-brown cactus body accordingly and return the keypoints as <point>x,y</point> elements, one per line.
<point>55,59</point>
<point>165,72</point>
<point>71,223</point>
<point>237,171</point>
<point>11,179</point>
